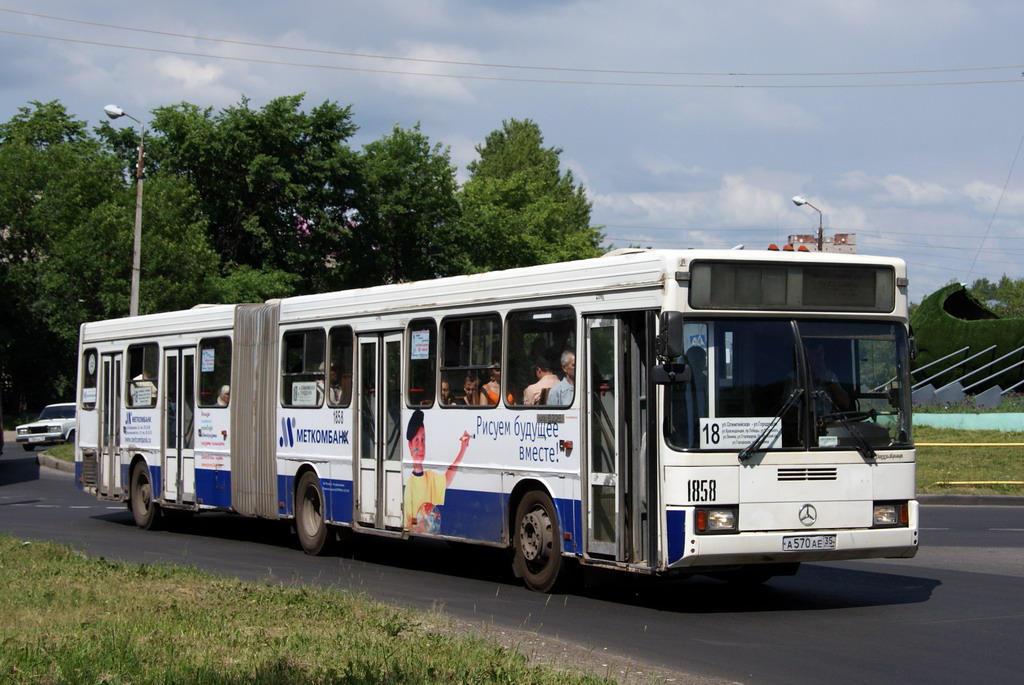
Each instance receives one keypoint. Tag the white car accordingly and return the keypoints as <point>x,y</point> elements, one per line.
<point>55,426</point>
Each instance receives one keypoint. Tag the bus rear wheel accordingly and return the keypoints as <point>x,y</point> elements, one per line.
<point>145,510</point>
<point>315,535</point>
<point>536,538</point>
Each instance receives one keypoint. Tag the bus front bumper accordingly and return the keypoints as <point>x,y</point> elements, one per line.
<point>797,546</point>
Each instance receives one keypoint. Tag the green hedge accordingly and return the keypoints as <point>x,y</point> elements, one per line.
<point>950,319</point>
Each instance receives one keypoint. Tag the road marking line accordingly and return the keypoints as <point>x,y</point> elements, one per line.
<point>969,444</point>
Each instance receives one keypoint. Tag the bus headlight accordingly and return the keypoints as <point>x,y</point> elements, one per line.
<point>887,514</point>
<point>718,520</point>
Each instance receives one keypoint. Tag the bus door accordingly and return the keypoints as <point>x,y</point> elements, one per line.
<point>619,470</point>
<point>378,405</point>
<point>178,457</point>
<point>109,409</point>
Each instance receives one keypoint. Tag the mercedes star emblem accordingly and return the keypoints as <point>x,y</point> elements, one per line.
<point>808,514</point>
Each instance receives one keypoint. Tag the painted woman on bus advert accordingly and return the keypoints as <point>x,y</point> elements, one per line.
<point>424,491</point>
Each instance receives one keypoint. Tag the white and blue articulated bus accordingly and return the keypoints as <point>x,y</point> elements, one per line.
<point>722,412</point>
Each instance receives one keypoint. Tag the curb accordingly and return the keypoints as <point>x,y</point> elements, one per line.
<point>44,459</point>
<point>973,500</point>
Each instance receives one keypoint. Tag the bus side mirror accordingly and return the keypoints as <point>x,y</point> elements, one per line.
<point>669,374</point>
<point>669,343</point>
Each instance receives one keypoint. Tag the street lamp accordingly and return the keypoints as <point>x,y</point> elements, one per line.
<point>799,201</point>
<point>115,112</point>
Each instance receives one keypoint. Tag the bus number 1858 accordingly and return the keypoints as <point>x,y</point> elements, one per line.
<point>702,490</point>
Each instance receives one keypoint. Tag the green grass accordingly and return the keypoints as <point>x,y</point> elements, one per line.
<point>62,452</point>
<point>71,619</point>
<point>939,465</point>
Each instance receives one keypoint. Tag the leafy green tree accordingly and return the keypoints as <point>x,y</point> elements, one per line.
<point>1005,298</point>
<point>519,208</point>
<point>67,218</point>
<point>406,208</point>
<point>179,268</point>
<point>54,174</point>
<point>274,183</point>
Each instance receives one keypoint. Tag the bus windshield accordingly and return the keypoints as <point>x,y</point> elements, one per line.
<point>811,384</point>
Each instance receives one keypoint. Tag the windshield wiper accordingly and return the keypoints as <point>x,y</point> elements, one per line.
<point>748,451</point>
<point>861,443</point>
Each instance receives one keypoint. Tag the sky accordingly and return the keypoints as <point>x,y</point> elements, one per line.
<point>690,124</point>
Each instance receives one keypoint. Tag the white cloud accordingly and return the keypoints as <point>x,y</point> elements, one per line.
<point>744,204</point>
<point>662,164</point>
<point>190,74</point>
<point>742,110</point>
<point>454,91</point>
<point>736,202</point>
<point>986,195</point>
<point>462,151</point>
<point>895,189</point>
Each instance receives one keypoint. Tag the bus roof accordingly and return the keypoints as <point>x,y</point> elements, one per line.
<point>619,271</point>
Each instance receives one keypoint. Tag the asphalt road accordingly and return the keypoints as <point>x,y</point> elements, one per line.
<point>953,614</point>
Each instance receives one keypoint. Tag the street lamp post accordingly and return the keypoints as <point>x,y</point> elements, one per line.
<point>115,112</point>
<point>799,201</point>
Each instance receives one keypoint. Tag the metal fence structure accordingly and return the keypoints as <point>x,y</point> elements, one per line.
<point>958,382</point>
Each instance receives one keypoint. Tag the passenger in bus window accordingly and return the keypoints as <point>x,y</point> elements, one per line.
<point>425,490</point>
<point>223,396</point>
<point>446,392</point>
<point>562,394</point>
<point>471,391</point>
<point>546,379</point>
<point>697,358</point>
<point>339,390</point>
<point>490,393</point>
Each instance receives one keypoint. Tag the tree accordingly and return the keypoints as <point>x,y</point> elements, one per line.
<point>1005,298</point>
<point>275,184</point>
<point>67,217</point>
<point>518,208</point>
<point>403,228</point>
<point>54,175</point>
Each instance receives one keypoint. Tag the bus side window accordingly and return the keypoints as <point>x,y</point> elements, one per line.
<point>143,372</point>
<point>471,370</point>
<point>339,364</point>
<point>214,372</point>
<point>539,340</point>
<point>90,371</point>
<point>422,376</point>
<point>302,368</point>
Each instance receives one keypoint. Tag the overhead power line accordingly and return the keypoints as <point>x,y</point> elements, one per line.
<point>322,51</point>
<point>995,211</point>
<point>486,65</point>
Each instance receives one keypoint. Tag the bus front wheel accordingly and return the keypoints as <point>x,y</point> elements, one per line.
<point>315,535</point>
<point>536,538</point>
<point>145,510</point>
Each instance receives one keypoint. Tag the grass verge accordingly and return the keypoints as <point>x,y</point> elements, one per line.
<point>68,618</point>
<point>62,452</point>
<point>995,469</point>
